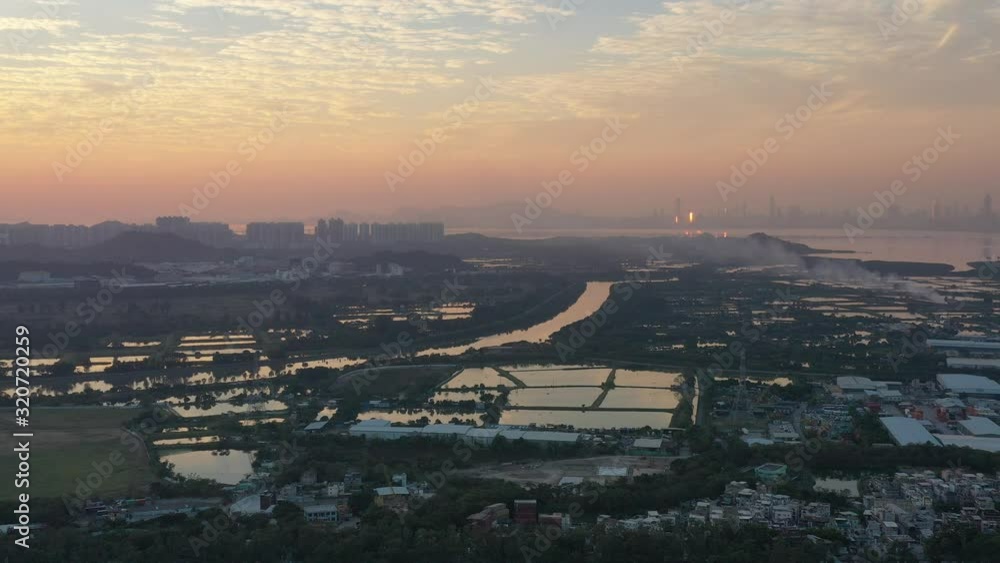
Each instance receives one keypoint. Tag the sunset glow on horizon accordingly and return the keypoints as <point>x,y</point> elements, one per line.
<point>123,108</point>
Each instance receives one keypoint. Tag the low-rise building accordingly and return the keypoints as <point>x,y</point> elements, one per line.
<point>327,512</point>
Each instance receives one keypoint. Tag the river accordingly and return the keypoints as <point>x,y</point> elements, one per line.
<point>595,294</point>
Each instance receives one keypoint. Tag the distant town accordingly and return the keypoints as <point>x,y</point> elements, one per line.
<point>263,235</point>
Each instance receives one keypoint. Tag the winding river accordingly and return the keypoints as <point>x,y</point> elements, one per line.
<point>595,294</point>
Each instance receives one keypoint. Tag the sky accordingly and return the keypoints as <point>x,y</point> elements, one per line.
<point>239,110</point>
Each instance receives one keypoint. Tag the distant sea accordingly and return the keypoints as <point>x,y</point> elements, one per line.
<point>946,247</point>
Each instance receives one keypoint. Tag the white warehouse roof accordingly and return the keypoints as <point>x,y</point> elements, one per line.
<point>907,431</point>
<point>970,384</point>
<point>965,344</point>
<point>648,443</point>
<point>372,422</point>
<point>975,442</point>
<point>446,429</point>
<point>974,363</point>
<point>389,491</point>
<point>512,434</point>
<point>382,429</point>
<point>855,383</point>
<point>483,433</point>
<point>561,437</point>
<point>980,426</point>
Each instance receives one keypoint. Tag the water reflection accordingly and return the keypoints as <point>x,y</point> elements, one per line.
<point>624,398</point>
<point>186,441</point>
<point>226,469</point>
<point>475,377</point>
<point>595,294</point>
<point>190,411</point>
<point>589,420</point>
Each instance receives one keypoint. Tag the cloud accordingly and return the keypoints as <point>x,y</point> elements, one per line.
<point>54,26</point>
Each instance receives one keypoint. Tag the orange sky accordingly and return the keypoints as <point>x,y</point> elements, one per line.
<point>117,109</point>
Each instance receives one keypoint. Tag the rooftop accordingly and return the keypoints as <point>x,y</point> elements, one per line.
<point>965,383</point>
<point>967,344</point>
<point>986,444</point>
<point>459,429</point>
<point>854,382</point>
<point>373,422</point>
<point>907,431</point>
<point>538,436</point>
<point>771,467</point>
<point>980,426</point>
<point>648,443</point>
<point>389,491</point>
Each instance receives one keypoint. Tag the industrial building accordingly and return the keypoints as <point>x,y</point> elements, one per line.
<point>866,389</point>
<point>973,363</point>
<point>907,431</point>
<point>317,426</point>
<point>965,384</point>
<point>376,429</point>
<point>979,426</point>
<point>652,444</point>
<point>965,345</point>
<point>853,383</point>
<point>482,436</point>
<point>975,442</point>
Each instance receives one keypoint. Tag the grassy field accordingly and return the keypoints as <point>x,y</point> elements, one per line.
<point>67,443</point>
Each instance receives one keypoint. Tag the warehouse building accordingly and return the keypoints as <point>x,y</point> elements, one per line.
<point>975,442</point>
<point>376,429</point>
<point>981,346</point>
<point>965,384</point>
<point>446,431</point>
<point>540,437</point>
<point>973,363</point>
<point>979,426</point>
<point>482,436</point>
<point>907,431</point>
<point>855,384</point>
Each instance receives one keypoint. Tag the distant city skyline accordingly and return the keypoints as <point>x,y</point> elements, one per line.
<point>674,210</point>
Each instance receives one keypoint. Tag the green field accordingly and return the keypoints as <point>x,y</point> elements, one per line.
<point>67,444</point>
